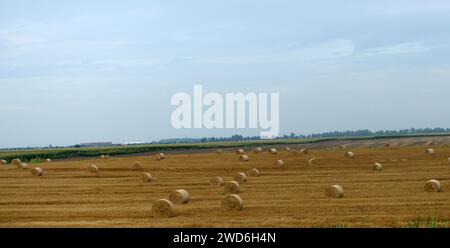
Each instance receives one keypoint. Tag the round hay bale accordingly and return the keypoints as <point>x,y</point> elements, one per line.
<point>240,177</point>
<point>253,172</point>
<point>180,196</point>
<point>377,167</point>
<point>48,160</point>
<point>232,202</point>
<point>288,149</point>
<point>311,161</point>
<point>304,151</point>
<point>2,161</point>
<point>257,150</point>
<point>93,169</point>
<point>146,177</point>
<point>349,155</point>
<point>240,151</point>
<point>334,191</point>
<point>243,157</point>
<point>22,166</point>
<point>216,181</point>
<point>231,187</point>
<point>430,151</point>
<point>163,208</point>
<point>219,151</point>
<point>432,186</point>
<point>107,157</point>
<point>162,155</point>
<point>16,161</point>
<point>137,166</point>
<point>37,172</point>
<point>102,156</point>
<point>279,163</point>
<point>273,151</point>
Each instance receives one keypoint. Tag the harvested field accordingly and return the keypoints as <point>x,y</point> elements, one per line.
<point>67,195</point>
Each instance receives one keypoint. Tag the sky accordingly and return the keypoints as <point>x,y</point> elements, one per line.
<point>87,71</point>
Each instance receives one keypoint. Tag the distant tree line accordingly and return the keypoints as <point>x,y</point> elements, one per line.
<point>335,134</point>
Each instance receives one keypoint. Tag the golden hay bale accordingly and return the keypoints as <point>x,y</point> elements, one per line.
<point>243,157</point>
<point>137,166</point>
<point>253,172</point>
<point>219,151</point>
<point>162,155</point>
<point>349,155</point>
<point>216,181</point>
<point>432,186</point>
<point>279,163</point>
<point>304,151</point>
<point>37,172</point>
<point>107,157</point>
<point>93,169</point>
<point>334,191</point>
<point>146,177</point>
<point>240,177</point>
<point>257,150</point>
<point>48,160</point>
<point>312,161</point>
<point>273,151</point>
<point>102,156</point>
<point>377,167</point>
<point>163,208</point>
<point>180,196</point>
<point>16,161</point>
<point>2,161</point>
<point>232,202</point>
<point>430,151</point>
<point>240,151</point>
<point>287,149</point>
<point>22,166</point>
<point>231,187</point>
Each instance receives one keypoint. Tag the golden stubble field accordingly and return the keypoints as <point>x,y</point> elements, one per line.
<point>67,195</point>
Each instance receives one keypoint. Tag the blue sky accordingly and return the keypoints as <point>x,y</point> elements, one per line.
<point>106,70</point>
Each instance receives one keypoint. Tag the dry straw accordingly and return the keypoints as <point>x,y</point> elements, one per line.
<point>240,151</point>
<point>232,202</point>
<point>349,155</point>
<point>432,186</point>
<point>37,172</point>
<point>163,208</point>
<point>430,151</point>
<point>231,187</point>
<point>279,163</point>
<point>334,191</point>
<point>257,150</point>
<point>253,172</point>
<point>243,157</point>
<point>240,177</point>
<point>137,166</point>
<point>180,196</point>
<point>22,166</point>
<point>273,151</point>
<point>146,177</point>
<point>93,169</point>
<point>377,167</point>
<point>216,181</point>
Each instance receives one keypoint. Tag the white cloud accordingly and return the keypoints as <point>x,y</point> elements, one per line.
<point>402,48</point>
